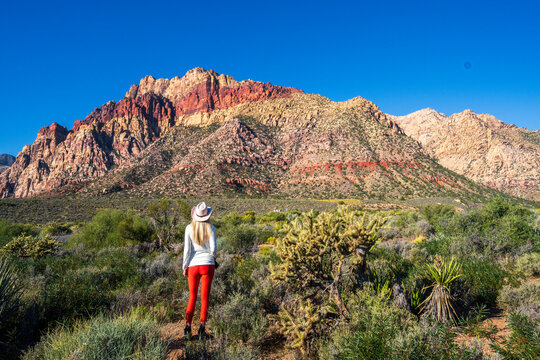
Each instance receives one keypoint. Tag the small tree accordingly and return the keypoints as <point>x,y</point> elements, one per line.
<point>165,216</point>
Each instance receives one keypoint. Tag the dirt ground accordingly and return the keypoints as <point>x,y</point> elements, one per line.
<point>502,331</point>
<point>174,332</point>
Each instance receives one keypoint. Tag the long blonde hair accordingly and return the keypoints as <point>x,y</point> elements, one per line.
<point>202,231</point>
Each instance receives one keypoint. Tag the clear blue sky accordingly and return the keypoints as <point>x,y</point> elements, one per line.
<point>60,60</point>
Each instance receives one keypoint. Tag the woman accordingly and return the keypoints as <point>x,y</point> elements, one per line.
<point>199,264</point>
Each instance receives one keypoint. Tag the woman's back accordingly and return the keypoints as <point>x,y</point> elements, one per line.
<point>196,254</point>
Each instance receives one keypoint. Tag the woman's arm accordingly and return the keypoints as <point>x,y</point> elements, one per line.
<point>213,242</point>
<point>187,248</point>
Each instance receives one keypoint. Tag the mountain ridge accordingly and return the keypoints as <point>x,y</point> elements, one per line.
<point>480,146</point>
<point>264,139</point>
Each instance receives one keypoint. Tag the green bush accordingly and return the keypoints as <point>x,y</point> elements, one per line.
<point>9,230</point>
<point>240,319</point>
<point>483,280</point>
<point>79,286</point>
<point>524,341</point>
<point>55,228</point>
<point>30,246</point>
<point>124,337</point>
<point>432,341</point>
<point>438,215</point>
<point>371,338</point>
<point>240,238</point>
<point>112,228</point>
<point>528,265</point>
<point>524,298</point>
<point>102,231</point>
<point>135,229</point>
<point>378,330</point>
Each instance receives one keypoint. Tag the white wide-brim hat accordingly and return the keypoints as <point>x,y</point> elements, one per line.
<point>201,212</point>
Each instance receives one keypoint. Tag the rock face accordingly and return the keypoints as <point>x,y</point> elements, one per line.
<point>208,134</point>
<point>6,161</point>
<point>481,147</point>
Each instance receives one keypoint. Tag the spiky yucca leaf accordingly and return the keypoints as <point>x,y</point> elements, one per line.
<point>439,303</point>
<point>10,290</point>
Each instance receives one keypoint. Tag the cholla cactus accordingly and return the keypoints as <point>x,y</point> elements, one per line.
<point>317,251</point>
<point>299,323</point>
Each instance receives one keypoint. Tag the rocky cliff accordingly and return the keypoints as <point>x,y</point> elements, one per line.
<point>6,161</point>
<point>481,147</point>
<point>207,134</point>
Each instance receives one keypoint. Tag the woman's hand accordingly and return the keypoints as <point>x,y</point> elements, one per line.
<point>185,272</point>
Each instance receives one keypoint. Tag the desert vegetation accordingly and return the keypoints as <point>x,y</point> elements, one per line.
<point>340,283</point>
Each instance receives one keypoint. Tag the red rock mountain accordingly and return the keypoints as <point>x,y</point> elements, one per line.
<point>481,147</point>
<point>207,134</point>
<point>6,161</point>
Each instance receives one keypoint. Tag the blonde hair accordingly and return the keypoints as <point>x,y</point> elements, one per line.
<point>202,231</point>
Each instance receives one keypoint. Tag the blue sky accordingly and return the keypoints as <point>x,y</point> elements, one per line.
<point>60,60</point>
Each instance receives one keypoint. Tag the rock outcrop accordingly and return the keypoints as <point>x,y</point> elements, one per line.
<point>208,134</point>
<point>116,133</point>
<point>481,147</point>
<point>6,161</point>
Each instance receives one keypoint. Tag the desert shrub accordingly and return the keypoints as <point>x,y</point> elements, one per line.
<point>102,231</point>
<point>30,246</point>
<point>165,217</point>
<point>498,228</point>
<point>378,330</point>
<point>528,265</point>
<point>159,289</point>
<point>55,228</point>
<point>524,298</point>
<point>244,268</point>
<point>158,267</point>
<point>523,342</point>
<point>272,216</point>
<point>438,215</point>
<point>9,230</point>
<point>482,281</point>
<point>423,228</point>
<point>125,300</point>
<point>81,286</point>
<point>124,337</point>
<point>370,338</point>
<point>240,319</point>
<point>135,229</point>
<point>239,238</point>
<point>432,341</point>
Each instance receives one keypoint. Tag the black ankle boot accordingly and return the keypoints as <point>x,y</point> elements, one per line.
<point>187,332</point>
<point>202,332</point>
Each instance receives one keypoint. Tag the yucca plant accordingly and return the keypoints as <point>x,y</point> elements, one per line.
<point>10,291</point>
<point>438,304</point>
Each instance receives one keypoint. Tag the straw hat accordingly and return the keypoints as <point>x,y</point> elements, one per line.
<point>201,212</point>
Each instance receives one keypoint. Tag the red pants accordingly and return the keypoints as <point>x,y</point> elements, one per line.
<point>204,274</point>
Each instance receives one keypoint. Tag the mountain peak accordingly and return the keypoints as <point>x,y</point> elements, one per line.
<point>178,87</point>
<point>6,159</point>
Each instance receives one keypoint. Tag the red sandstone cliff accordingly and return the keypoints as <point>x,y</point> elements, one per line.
<point>118,132</point>
<point>205,134</point>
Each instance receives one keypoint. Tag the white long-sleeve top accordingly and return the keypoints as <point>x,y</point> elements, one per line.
<point>195,254</point>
